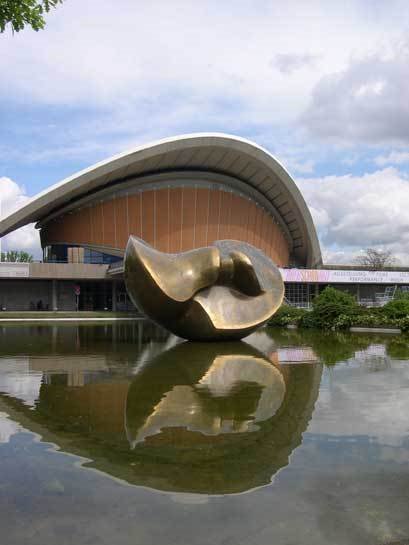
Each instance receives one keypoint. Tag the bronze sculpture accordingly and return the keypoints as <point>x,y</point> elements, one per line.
<point>223,291</point>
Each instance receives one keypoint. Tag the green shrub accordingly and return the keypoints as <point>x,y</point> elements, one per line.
<point>336,309</point>
<point>398,308</point>
<point>402,323</point>
<point>308,321</point>
<point>287,315</point>
<point>368,319</point>
<point>329,306</point>
<point>371,318</point>
<point>343,321</point>
<point>400,294</point>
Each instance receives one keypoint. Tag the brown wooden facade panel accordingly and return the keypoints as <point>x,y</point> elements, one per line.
<point>251,224</point>
<point>265,231</point>
<point>214,213</point>
<point>134,214</point>
<point>175,220</point>
<point>122,227</point>
<point>148,217</point>
<point>202,216</point>
<point>109,223</point>
<point>236,218</point>
<point>188,217</point>
<point>99,224</point>
<point>171,219</point>
<point>162,220</point>
<point>225,211</point>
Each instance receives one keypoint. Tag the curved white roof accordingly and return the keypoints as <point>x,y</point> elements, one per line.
<point>215,153</point>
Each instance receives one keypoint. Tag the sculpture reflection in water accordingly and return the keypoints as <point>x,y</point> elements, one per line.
<point>223,291</point>
<point>204,418</point>
<point>228,389</point>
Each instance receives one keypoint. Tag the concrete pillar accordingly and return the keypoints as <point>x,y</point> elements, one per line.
<point>113,296</point>
<point>54,296</point>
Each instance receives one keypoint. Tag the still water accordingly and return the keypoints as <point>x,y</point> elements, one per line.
<point>122,434</point>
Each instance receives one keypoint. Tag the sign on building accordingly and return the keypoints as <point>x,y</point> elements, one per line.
<point>325,276</point>
<point>14,270</point>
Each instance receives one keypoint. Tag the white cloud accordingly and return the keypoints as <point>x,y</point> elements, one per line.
<point>163,68</point>
<point>373,88</point>
<point>197,55</point>
<point>139,71</point>
<point>393,158</point>
<point>337,257</point>
<point>382,381</point>
<point>17,382</point>
<point>288,63</point>
<point>12,197</point>
<point>297,165</point>
<point>351,160</point>
<point>8,428</point>
<point>356,212</point>
<point>365,102</point>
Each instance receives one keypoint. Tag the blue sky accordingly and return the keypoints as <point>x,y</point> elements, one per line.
<point>322,85</point>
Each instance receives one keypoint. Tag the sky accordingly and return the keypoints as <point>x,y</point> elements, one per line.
<point>323,86</point>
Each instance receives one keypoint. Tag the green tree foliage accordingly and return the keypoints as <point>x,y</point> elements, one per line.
<point>398,308</point>
<point>400,294</point>
<point>328,306</point>
<point>287,315</point>
<point>19,13</point>
<point>13,256</point>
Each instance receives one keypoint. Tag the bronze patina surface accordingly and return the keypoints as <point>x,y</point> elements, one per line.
<point>223,291</point>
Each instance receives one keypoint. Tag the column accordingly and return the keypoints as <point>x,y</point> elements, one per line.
<point>54,298</point>
<point>113,296</point>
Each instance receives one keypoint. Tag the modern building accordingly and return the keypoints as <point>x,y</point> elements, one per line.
<point>177,194</point>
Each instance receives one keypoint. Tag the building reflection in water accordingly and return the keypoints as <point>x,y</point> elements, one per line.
<point>211,418</point>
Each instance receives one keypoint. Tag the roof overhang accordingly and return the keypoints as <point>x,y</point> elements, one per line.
<point>212,153</point>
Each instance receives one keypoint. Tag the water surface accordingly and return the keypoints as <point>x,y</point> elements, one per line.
<point>123,434</point>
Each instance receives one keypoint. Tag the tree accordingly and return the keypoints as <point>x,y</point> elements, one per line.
<point>328,306</point>
<point>19,13</point>
<point>13,256</point>
<point>376,260</point>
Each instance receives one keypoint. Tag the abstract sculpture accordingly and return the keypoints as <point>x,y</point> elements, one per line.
<point>223,291</point>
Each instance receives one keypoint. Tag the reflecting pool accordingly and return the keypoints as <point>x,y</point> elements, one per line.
<point>123,434</point>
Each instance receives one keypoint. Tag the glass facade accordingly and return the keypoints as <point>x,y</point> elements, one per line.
<point>95,296</point>
<point>92,256</point>
<point>58,253</point>
<point>98,296</point>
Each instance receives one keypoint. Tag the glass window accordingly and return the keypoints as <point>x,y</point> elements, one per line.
<point>298,294</point>
<point>58,253</point>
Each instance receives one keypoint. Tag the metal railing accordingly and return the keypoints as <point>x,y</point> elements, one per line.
<point>307,305</point>
<point>380,299</point>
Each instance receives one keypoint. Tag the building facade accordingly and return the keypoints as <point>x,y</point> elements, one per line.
<point>177,194</point>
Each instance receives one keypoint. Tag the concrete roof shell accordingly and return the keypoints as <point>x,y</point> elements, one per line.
<point>213,153</point>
